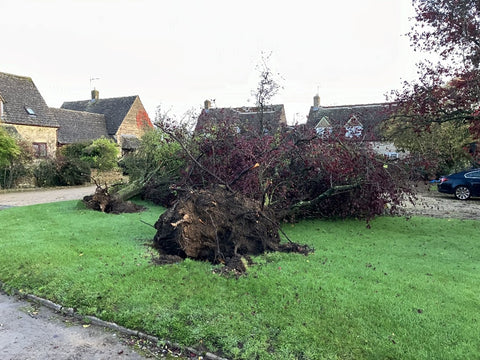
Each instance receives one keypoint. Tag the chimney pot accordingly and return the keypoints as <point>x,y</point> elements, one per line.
<point>316,101</point>
<point>95,94</point>
<point>208,104</point>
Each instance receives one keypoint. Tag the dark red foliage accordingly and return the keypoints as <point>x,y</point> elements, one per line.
<point>447,90</point>
<point>297,173</point>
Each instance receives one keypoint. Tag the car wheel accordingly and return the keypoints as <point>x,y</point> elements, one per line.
<point>462,192</point>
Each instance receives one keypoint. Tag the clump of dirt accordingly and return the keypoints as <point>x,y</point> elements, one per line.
<point>103,201</point>
<point>219,226</point>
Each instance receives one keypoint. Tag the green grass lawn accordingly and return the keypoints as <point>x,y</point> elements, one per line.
<point>404,289</point>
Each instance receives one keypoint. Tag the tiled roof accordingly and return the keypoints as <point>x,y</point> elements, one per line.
<point>114,109</point>
<point>273,116</point>
<point>368,115</point>
<point>77,126</point>
<point>23,104</point>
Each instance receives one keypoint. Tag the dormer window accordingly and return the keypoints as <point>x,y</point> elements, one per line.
<point>30,111</point>
<point>323,127</point>
<point>353,128</point>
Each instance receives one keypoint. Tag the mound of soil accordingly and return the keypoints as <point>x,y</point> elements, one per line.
<point>103,201</point>
<point>219,226</point>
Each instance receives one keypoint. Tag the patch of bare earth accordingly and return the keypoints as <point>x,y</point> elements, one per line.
<point>432,203</point>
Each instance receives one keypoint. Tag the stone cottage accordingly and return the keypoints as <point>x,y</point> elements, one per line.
<point>359,122</point>
<point>23,110</point>
<point>266,120</point>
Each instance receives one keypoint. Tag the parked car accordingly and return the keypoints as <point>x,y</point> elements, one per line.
<point>463,184</point>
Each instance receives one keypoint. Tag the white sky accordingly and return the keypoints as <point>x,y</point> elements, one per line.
<point>178,53</point>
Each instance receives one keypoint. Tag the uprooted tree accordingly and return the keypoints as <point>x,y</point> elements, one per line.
<point>238,187</point>
<point>240,181</point>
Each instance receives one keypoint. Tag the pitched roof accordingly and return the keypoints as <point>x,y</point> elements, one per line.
<point>77,126</point>
<point>273,116</point>
<point>23,103</point>
<point>369,116</point>
<point>114,109</point>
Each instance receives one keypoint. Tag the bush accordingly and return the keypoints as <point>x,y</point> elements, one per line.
<point>18,166</point>
<point>61,172</point>
<point>101,154</point>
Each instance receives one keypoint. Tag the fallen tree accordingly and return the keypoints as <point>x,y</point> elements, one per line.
<point>102,200</point>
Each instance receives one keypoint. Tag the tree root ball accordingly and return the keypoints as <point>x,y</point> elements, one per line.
<point>217,225</point>
<point>103,201</point>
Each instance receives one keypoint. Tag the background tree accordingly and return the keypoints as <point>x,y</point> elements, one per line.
<point>268,86</point>
<point>15,157</point>
<point>448,88</point>
<point>441,148</point>
<point>8,148</point>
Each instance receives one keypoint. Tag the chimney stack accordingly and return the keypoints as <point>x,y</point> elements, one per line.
<point>208,104</point>
<point>316,101</point>
<point>95,94</point>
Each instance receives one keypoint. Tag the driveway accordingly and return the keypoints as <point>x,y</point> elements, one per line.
<point>42,196</point>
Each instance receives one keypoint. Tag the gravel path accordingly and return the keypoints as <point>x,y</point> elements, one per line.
<point>35,196</point>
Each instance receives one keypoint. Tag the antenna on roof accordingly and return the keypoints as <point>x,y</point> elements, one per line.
<point>92,79</point>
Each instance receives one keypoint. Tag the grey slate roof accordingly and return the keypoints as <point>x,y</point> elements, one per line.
<point>273,116</point>
<point>114,109</point>
<point>78,126</point>
<point>369,115</point>
<point>19,94</point>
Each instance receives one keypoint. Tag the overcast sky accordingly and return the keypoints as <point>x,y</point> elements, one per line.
<point>178,53</point>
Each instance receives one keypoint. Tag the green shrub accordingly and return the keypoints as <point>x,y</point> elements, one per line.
<point>74,151</point>
<point>61,172</point>
<point>18,166</point>
<point>101,154</point>
<point>46,174</point>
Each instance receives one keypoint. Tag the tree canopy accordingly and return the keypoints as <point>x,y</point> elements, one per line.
<point>448,87</point>
<point>8,148</point>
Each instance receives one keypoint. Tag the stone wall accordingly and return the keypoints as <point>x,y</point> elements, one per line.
<point>39,134</point>
<point>136,122</point>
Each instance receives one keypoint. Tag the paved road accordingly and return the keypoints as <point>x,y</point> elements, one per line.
<point>30,332</point>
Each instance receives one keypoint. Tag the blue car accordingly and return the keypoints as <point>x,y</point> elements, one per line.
<point>463,184</point>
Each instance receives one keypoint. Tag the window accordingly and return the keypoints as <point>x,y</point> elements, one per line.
<point>353,128</point>
<point>1,108</point>
<point>30,111</point>
<point>40,150</point>
<point>473,175</point>
<point>323,127</point>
